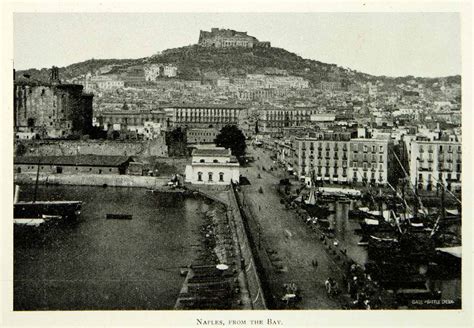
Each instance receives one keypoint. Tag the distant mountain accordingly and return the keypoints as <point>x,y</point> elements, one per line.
<point>196,62</point>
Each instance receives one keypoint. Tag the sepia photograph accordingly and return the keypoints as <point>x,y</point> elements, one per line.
<point>236,161</point>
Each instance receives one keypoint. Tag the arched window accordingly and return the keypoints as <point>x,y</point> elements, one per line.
<point>221,176</point>
<point>199,176</point>
<point>210,176</point>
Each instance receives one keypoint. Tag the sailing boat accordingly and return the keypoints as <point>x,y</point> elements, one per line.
<point>36,213</point>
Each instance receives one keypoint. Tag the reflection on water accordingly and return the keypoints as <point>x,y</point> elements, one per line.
<point>344,230</point>
<point>107,264</point>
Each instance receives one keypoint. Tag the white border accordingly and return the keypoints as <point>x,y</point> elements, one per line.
<point>307,318</point>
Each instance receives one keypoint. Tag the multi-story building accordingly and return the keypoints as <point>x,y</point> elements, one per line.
<point>273,121</point>
<point>325,155</point>
<point>51,110</point>
<point>102,82</point>
<point>371,161</point>
<point>336,158</point>
<point>153,71</point>
<point>433,162</point>
<point>201,136</point>
<point>130,120</point>
<point>202,116</point>
<point>213,166</point>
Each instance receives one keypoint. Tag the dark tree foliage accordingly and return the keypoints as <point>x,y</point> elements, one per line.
<point>96,132</point>
<point>231,137</point>
<point>176,142</point>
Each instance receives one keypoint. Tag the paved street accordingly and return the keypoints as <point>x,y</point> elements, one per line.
<point>284,233</point>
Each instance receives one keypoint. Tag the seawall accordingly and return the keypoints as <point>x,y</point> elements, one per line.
<point>256,293</point>
<point>95,180</point>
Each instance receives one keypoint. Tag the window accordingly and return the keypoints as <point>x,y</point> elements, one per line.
<point>215,161</point>
<point>221,176</point>
<point>210,176</point>
<point>201,161</point>
<point>199,176</point>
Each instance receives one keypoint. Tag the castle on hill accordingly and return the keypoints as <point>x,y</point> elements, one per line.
<point>225,38</point>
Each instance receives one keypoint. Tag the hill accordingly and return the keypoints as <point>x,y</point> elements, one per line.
<point>196,62</point>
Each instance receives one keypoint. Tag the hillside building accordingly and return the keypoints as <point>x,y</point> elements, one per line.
<point>154,71</point>
<point>225,38</point>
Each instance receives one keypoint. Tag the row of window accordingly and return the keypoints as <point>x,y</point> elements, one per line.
<point>210,176</point>
<point>449,148</point>
<point>449,177</point>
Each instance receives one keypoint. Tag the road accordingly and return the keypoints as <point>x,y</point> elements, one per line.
<point>287,238</point>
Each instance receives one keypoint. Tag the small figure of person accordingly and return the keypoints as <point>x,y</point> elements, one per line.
<point>328,284</point>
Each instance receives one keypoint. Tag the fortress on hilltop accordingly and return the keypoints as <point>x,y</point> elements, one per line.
<point>225,38</point>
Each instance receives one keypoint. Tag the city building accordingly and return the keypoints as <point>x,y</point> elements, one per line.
<point>326,155</point>
<point>51,110</point>
<point>78,164</point>
<point>202,116</point>
<point>436,161</point>
<point>333,157</point>
<point>102,82</point>
<point>131,120</point>
<point>154,71</point>
<point>212,166</point>
<point>371,161</point>
<point>225,38</point>
<point>272,121</point>
<point>201,136</point>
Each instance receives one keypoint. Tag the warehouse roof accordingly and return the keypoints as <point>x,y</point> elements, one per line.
<point>79,160</point>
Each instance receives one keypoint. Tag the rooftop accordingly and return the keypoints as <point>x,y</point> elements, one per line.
<point>210,152</point>
<point>79,160</point>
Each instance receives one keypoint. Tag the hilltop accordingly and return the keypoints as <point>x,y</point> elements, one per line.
<point>196,62</point>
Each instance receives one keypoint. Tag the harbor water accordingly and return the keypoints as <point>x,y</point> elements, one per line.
<point>100,264</point>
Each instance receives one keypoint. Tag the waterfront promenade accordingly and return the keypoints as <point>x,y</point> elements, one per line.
<point>285,240</point>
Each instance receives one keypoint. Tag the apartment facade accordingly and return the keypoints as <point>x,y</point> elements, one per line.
<point>336,158</point>
<point>437,161</point>
<point>274,121</point>
<point>202,116</point>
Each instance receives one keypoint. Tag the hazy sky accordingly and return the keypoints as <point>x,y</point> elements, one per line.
<point>393,44</point>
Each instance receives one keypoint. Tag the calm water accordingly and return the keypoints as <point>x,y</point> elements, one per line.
<point>107,264</point>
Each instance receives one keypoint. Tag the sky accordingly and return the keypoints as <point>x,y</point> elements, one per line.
<point>391,44</point>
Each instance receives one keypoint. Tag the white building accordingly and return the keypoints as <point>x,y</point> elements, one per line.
<point>212,166</point>
<point>103,82</point>
<point>152,130</point>
<point>436,161</point>
<point>153,71</point>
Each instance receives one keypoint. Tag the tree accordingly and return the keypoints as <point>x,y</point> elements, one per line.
<point>231,137</point>
<point>176,142</point>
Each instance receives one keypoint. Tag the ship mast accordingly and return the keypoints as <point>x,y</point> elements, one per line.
<point>36,182</point>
